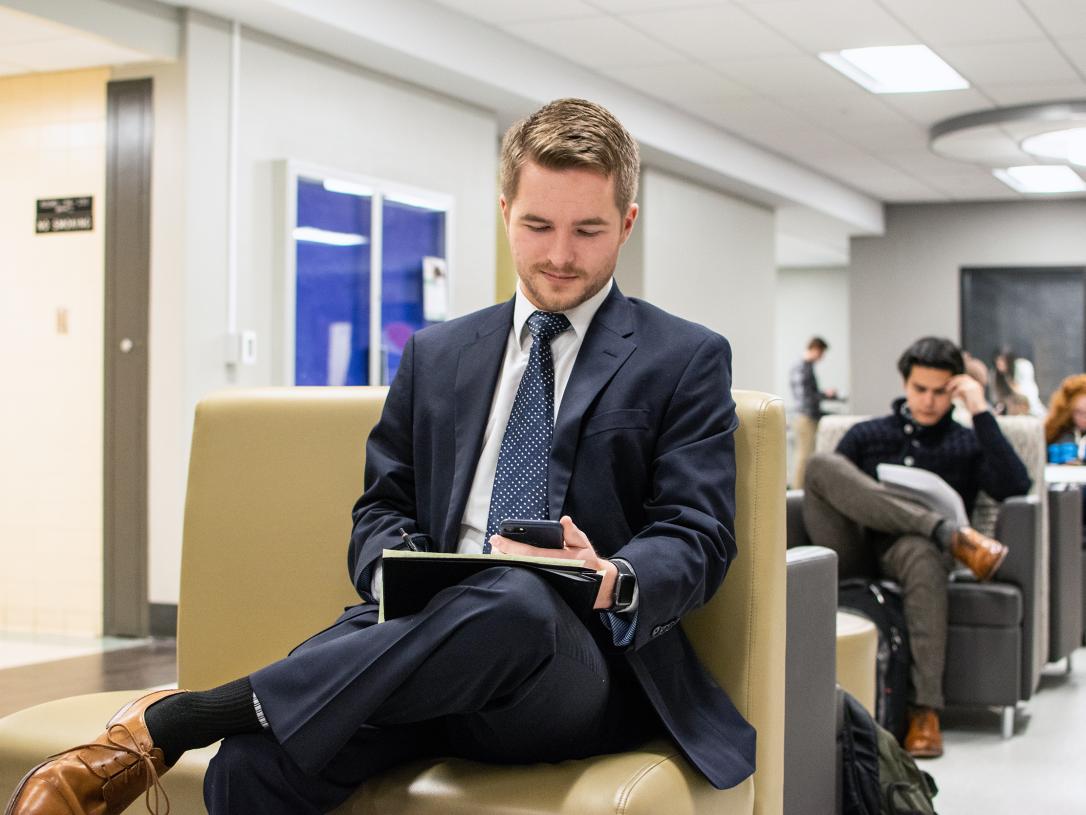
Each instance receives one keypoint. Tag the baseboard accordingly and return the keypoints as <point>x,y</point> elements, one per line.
<point>163,619</point>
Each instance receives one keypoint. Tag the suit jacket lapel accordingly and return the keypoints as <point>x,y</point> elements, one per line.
<point>605,348</point>
<point>476,378</point>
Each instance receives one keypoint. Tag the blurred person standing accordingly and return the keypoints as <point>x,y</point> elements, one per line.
<point>1015,388</point>
<point>808,405</point>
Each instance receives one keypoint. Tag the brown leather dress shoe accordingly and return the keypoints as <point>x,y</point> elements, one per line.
<point>982,555</point>
<point>100,778</point>
<point>924,739</point>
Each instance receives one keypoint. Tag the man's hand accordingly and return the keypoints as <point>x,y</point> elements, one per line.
<point>576,546</point>
<point>969,391</point>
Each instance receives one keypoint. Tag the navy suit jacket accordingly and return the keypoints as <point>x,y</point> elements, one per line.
<point>642,459</point>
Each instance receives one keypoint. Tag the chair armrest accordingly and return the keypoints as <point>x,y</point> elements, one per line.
<point>1019,527</point>
<point>1064,571</point>
<point>797,530</point>
<point>810,679</point>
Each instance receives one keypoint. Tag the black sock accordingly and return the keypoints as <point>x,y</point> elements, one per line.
<point>188,720</point>
<point>943,534</point>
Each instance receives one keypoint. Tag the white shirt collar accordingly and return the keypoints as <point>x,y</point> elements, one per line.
<point>580,317</point>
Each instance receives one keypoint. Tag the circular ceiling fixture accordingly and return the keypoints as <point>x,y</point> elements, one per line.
<point>1043,133</point>
<point>1059,145</point>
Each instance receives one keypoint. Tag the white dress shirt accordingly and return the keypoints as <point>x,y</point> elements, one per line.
<point>564,350</point>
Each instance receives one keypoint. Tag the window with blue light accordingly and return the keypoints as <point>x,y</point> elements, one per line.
<point>335,259</point>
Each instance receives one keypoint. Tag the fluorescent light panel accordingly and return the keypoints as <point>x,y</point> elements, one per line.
<point>896,69</point>
<point>1039,179</point>
<point>313,235</point>
<point>1064,145</point>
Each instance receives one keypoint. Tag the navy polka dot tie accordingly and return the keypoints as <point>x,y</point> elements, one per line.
<point>520,481</point>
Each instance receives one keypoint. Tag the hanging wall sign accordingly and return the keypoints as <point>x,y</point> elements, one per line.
<point>64,215</point>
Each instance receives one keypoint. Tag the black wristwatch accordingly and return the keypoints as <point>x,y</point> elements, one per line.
<point>625,584</point>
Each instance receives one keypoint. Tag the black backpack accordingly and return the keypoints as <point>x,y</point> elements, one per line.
<point>877,776</point>
<point>858,749</point>
<point>881,603</point>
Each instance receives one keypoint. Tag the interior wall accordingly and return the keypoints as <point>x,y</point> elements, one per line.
<point>709,258</point>
<point>905,284</point>
<point>52,144</point>
<point>813,302</point>
<point>297,104</point>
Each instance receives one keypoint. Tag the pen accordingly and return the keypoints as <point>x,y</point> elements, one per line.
<point>407,542</point>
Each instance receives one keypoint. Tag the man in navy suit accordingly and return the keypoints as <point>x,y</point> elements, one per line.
<point>568,402</point>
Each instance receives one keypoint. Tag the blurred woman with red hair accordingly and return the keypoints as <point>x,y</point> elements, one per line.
<point>1066,420</point>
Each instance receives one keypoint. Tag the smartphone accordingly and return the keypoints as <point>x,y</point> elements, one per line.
<point>544,534</point>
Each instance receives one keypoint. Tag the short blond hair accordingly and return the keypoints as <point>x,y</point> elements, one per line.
<point>568,133</point>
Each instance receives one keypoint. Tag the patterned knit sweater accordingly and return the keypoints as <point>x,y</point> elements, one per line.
<point>968,460</point>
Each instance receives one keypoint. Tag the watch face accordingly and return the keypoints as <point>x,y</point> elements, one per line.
<point>624,589</point>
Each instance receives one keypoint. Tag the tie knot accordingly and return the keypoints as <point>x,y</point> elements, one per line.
<point>546,325</point>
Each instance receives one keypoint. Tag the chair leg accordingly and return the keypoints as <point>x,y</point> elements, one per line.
<point>1008,721</point>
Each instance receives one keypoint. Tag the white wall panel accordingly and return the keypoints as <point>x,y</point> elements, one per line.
<point>710,258</point>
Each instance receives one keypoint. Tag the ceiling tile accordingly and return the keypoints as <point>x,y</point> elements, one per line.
<point>804,143</point>
<point>1076,52</point>
<point>500,12</point>
<point>923,163</point>
<point>875,177</point>
<point>784,74</point>
<point>1060,18</point>
<point>929,108</point>
<point>1026,93</point>
<point>820,26</point>
<point>679,82</point>
<point>887,139</point>
<point>843,111</point>
<point>1009,62</point>
<point>943,22</point>
<point>747,115</point>
<point>598,42</point>
<point>712,33</point>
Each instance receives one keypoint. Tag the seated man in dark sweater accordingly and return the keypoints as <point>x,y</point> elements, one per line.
<point>875,531</point>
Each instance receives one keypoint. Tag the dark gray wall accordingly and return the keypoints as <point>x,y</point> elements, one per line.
<point>905,284</point>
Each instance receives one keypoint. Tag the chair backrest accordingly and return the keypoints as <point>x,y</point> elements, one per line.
<point>740,634</point>
<point>273,475</point>
<point>1026,435</point>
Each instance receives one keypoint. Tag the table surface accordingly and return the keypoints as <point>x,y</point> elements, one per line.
<point>1065,474</point>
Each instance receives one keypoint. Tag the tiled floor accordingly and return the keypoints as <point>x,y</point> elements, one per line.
<point>1040,771</point>
<point>17,650</point>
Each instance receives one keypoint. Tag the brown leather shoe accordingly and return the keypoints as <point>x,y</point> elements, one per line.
<point>101,778</point>
<point>924,739</point>
<point>981,554</point>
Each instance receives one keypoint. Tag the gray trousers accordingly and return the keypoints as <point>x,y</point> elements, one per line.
<point>874,531</point>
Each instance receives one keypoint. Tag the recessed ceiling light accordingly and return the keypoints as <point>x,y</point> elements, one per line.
<point>1065,145</point>
<point>1036,179</point>
<point>896,69</point>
